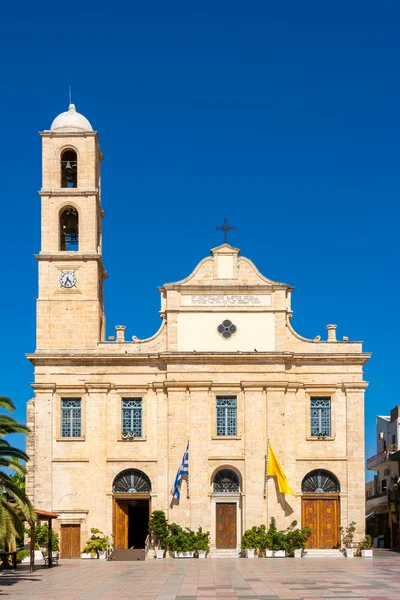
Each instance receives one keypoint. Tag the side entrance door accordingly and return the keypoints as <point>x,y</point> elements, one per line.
<point>70,541</point>
<point>322,516</point>
<point>121,524</point>
<point>225,519</point>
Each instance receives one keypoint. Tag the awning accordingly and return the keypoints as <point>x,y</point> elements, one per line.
<point>379,510</point>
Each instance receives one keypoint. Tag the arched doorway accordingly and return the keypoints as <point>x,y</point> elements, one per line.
<point>226,509</point>
<point>131,492</point>
<point>321,508</point>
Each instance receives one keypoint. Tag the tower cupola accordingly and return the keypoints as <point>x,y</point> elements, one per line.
<point>71,120</point>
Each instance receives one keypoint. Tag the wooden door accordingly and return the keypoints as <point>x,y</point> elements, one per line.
<point>70,546</point>
<point>225,519</point>
<point>121,524</point>
<point>321,515</point>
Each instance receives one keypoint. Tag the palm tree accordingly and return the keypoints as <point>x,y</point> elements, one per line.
<point>14,504</point>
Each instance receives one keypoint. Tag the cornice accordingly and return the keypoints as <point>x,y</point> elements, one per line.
<point>68,256</point>
<point>128,358</point>
<point>67,134</point>
<point>44,387</point>
<point>67,192</point>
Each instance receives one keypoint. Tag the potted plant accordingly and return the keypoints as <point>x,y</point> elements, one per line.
<point>264,542</point>
<point>365,547</point>
<point>296,539</point>
<point>250,542</point>
<point>277,540</point>
<point>97,546</point>
<point>42,544</point>
<point>181,541</point>
<point>347,536</point>
<point>158,526</point>
<point>202,542</point>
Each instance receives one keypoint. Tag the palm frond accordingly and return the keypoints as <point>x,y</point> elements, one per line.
<point>11,523</point>
<point>10,425</point>
<point>7,403</point>
<point>11,489</point>
<point>13,453</point>
<point>13,464</point>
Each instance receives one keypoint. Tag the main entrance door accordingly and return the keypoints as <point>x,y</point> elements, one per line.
<point>225,525</point>
<point>131,522</point>
<point>322,516</point>
<point>70,541</point>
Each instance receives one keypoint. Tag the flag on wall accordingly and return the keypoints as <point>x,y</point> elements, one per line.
<point>274,469</point>
<point>183,470</point>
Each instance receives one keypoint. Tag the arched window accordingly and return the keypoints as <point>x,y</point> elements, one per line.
<point>132,481</point>
<point>69,169</point>
<point>69,229</point>
<point>320,481</point>
<point>226,482</point>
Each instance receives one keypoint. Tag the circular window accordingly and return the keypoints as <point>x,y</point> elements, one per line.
<point>227,329</point>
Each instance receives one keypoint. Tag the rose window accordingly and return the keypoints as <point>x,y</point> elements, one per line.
<point>227,329</point>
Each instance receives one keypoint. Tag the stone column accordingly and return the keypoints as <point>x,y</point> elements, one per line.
<point>163,484</point>
<point>355,457</point>
<point>96,418</point>
<point>280,430</point>
<point>42,413</point>
<point>178,435</point>
<point>199,468</point>
<point>255,443</point>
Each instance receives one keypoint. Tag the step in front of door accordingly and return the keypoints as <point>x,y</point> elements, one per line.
<point>120,554</point>
<point>321,553</point>
<point>225,553</point>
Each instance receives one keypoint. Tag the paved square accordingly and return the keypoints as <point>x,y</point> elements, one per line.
<point>217,579</point>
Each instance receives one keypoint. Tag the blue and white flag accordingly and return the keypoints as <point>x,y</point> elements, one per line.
<point>183,470</point>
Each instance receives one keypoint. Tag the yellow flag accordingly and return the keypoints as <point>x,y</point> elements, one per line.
<point>275,470</point>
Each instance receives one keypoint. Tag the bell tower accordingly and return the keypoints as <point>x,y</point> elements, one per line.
<point>70,313</point>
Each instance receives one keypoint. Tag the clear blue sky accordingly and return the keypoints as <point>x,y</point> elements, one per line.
<point>281,116</point>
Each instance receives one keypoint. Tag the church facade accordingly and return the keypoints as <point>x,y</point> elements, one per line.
<point>225,373</point>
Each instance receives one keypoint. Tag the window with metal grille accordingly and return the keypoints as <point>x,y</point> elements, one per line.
<point>226,482</point>
<point>320,417</point>
<point>226,415</point>
<point>132,417</point>
<point>71,417</point>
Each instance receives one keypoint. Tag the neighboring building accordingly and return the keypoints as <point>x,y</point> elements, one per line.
<point>382,512</point>
<point>110,420</point>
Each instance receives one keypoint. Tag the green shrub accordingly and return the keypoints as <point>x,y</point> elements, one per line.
<point>42,537</point>
<point>251,539</point>
<point>181,540</point>
<point>98,542</point>
<point>347,534</point>
<point>365,544</point>
<point>296,539</point>
<point>276,539</point>
<point>21,554</point>
<point>158,526</point>
<point>202,540</point>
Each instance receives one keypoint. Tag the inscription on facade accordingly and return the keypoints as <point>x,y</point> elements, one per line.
<point>226,300</point>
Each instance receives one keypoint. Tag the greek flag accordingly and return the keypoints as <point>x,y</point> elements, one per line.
<point>183,470</point>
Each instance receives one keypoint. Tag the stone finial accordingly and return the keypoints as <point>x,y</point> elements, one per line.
<point>331,333</point>
<point>120,329</point>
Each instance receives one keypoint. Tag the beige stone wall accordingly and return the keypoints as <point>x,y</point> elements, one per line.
<point>77,475</point>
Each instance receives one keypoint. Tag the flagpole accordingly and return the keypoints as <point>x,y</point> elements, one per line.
<point>188,482</point>
<point>266,470</point>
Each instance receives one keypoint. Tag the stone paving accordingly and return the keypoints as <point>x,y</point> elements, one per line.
<point>217,579</point>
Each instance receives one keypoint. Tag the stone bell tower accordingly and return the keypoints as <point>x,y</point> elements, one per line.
<point>70,311</point>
